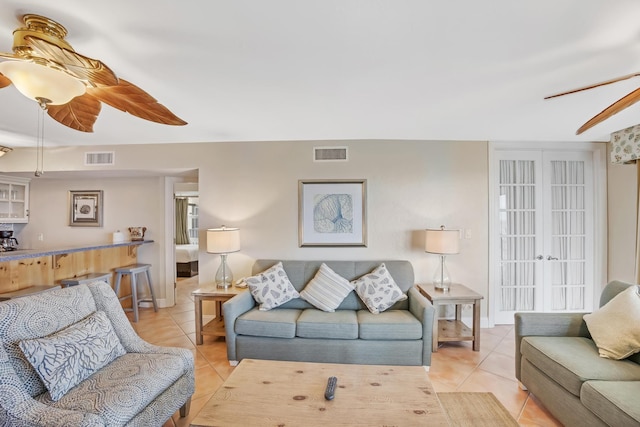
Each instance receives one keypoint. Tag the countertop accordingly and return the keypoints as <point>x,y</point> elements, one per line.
<point>34,253</point>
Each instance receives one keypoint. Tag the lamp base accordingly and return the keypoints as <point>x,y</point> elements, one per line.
<point>224,277</point>
<point>441,278</point>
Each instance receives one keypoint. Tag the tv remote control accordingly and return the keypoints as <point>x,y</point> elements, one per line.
<point>330,392</point>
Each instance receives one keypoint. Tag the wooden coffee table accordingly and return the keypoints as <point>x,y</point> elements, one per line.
<point>272,393</point>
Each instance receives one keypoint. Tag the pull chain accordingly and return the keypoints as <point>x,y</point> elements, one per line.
<point>40,137</point>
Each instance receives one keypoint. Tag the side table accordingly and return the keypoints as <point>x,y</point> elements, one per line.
<point>454,330</point>
<point>219,295</point>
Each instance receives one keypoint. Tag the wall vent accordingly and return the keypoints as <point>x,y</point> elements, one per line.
<point>99,158</point>
<point>330,154</point>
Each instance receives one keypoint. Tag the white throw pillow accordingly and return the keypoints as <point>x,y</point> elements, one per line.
<point>66,358</point>
<point>378,290</point>
<point>271,288</point>
<point>615,327</point>
<point>326,290</point>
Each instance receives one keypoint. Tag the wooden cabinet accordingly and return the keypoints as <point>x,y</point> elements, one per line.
<point>14,199</point>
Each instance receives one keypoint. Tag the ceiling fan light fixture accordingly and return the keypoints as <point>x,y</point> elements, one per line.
<point>5,150</point>
<point>39,81</point>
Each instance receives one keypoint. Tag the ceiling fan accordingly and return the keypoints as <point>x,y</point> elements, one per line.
<point>622,103</point>
<point>68,85</point>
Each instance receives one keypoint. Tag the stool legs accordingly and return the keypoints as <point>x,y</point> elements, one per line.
<point>134,291</point>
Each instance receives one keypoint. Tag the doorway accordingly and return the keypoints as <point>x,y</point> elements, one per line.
<point>186,230</point>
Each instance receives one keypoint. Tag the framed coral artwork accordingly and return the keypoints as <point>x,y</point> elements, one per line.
<point>332,213</point>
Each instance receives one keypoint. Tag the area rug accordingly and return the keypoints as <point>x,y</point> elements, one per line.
<point>475,409</point>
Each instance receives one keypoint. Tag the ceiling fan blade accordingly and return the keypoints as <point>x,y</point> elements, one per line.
<point>82,67</point>
<point>80,113</point>
<point>624,102</point>
<point>131,99</point>
<point>4,81</point>
<point>607,82</point>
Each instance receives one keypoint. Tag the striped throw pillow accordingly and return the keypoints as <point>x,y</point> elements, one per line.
<point>326,290</point>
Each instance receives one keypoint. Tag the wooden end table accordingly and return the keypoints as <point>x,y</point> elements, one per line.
<point>271,393</point>
<point>454,330</point>
<point>219,295</point>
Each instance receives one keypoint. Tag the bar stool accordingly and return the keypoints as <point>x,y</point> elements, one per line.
<point>134,270</point>
<point>87,278</point>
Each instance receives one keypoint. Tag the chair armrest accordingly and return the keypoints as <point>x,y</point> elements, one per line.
<point>547,325</point>
<point>232,309</point>
<point>425,312</point>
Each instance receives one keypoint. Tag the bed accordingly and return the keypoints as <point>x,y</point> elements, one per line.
<point>186,260</point>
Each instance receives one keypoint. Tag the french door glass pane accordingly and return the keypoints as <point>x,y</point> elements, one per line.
<point>517,234</point>
<point>568,239</point>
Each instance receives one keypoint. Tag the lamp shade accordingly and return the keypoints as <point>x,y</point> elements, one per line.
<point>441,241</point>
<point>39,81</point>
<point>223,240</point>
<point>625,145</point>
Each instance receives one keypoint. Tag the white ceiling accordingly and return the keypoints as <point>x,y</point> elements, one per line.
<point>253,70</point>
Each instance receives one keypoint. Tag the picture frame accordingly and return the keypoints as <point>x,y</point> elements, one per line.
<point>332,213</point>
<point>85,208</point>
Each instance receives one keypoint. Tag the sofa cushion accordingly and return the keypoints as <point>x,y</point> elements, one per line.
<point>614,327</point>
<point>271,288</point>
<point>326,290</point>
<point>614,402</point>
<point>280,323</point>
<point>122,389</point>
<point>557,358</point>
<point>390,325</point>
<point>378,290</point>
<point>342,324</point>
<point>64,359</point>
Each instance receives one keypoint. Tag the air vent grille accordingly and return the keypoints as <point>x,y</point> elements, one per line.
<point>330,154</point>
<point>99,158</point>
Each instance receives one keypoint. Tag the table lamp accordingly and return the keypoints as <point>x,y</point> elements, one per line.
<point>442,242</point>
<point>223,241</point>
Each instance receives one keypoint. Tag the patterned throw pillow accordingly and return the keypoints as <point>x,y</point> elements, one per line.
<point>271,288</point>
<point>378,290</point>
<point>326,290</point>
<point>614,327</point>
<point>67,357</point>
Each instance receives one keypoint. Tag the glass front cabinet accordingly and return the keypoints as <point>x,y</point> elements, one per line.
<point>14,199</point>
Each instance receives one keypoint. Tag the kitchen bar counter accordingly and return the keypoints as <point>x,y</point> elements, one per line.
<point>34,253</point>
<point>27,268</point>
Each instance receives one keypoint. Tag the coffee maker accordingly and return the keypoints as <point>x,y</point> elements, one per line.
<point>7,241</point>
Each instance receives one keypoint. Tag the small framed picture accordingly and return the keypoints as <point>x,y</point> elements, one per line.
<point>332,212</point>
<point>85,208</point>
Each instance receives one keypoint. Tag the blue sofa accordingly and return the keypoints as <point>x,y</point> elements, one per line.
<point>400,335</point>
<point>557,360</point>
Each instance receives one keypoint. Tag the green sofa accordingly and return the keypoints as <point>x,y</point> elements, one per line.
<point>557,361</point>
<point>400,335</point>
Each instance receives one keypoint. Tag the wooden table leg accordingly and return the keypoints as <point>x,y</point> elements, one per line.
<point>198,307</point>
<point>476,325</point>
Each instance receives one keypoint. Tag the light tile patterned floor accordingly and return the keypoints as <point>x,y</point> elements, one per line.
<point>455,367</point>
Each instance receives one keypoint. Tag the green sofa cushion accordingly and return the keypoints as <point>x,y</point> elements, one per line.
<point>278,323</point>
<point>389,325</point>
<point>614,402</point>
<point>571,361</point>
<point>341,324</point>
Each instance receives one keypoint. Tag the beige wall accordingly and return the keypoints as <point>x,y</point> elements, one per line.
<point>254,185</point>
<point>622,213</point>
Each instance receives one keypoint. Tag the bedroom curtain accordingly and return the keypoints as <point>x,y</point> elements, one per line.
<point>182,232</point>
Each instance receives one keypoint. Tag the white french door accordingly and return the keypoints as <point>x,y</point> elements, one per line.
<point>542,232</point>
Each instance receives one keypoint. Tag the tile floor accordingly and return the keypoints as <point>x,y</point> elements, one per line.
<point>455,367</point>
